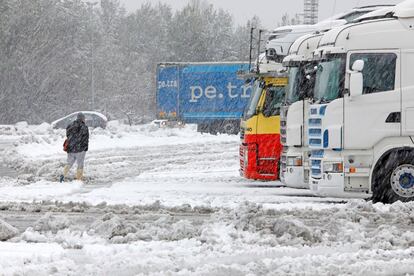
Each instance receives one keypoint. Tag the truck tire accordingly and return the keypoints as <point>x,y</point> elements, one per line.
<point>203,128</point>
<point>230,127</point>
<point>213,129</point>
<point>393,179</point>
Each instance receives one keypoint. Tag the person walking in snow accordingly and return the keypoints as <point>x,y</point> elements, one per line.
<point>77,134</point>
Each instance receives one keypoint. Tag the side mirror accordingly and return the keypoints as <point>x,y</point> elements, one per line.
<point>266,113</point>
<point>358,65</point>
<point>356,79</point>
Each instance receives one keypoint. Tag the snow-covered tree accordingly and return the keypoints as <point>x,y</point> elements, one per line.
<point>55,55</point>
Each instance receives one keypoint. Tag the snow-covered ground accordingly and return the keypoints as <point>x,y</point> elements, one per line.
<point>171,202</point>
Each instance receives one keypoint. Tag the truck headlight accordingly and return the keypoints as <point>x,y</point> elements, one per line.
<point>295,161</point>
<point>333,167</point>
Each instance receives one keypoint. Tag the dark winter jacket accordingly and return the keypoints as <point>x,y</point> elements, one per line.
<point>78,136</point>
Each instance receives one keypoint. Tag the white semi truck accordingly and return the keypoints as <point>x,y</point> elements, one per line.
<point>281,38</point>
<point>294,132</point>
<point>294,115</point>
<point>361,122</point>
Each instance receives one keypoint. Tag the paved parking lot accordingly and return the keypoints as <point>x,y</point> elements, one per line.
<point>5,171</point>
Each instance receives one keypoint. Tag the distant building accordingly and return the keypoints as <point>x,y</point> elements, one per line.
<point>310,11</point>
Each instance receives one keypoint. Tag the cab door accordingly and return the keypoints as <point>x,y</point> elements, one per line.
<point>407,92</point>
<point>375,114</point>
<point>268,130</point>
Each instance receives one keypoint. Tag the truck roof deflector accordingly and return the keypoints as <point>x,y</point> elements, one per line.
<point>405,9</point>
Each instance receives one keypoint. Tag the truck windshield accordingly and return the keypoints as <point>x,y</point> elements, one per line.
<point>251,107</point>
<point>329,81</point>
<point>273,101</point>
<point>301,82</point>
<point>292,89</point>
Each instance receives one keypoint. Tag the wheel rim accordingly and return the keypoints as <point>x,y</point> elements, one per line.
<point>402,181</point>
<point>229,128</point>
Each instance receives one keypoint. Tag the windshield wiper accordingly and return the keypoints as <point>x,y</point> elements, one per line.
<point>323,100</point>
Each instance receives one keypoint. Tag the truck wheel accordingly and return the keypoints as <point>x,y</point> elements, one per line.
<point>230,128</point>
<point>202,128</point>
<point>394,179</point>
<point>212,128</point>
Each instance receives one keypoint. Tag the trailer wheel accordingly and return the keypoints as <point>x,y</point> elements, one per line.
<point>203,128</point>
<point>231,128</point>
<point>394,178</point>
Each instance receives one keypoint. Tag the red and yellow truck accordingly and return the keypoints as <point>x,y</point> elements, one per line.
<point>260,147</point>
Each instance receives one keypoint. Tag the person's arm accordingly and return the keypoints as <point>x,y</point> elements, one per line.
<point>85,138</point>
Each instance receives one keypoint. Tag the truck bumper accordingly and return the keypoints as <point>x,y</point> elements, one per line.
<point>331,184</point>
<point>250,165</point>
<point>294,177</point>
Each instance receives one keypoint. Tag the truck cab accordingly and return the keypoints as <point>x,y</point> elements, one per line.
<point>361,132</point>
<point>280,39</point>
<point>294,116</point>
<point>260,146</point>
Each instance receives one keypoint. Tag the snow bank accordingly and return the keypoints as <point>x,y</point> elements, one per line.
<point>52,223</point>
<point>290,228</point>
<point>247,240</point>
<point>7,231</point>
<point>110,226</point>
<point>41,141</point>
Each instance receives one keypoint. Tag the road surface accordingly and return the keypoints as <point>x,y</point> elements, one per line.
<point>4,170</point>
<point>167,202</point>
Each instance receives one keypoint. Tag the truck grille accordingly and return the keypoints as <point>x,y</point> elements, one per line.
<point>317,112</point>
<point>283,160</point>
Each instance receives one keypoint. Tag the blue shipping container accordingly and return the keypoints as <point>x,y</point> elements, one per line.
<point>201,92</point>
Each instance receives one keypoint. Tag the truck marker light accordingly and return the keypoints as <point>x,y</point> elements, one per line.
<point>322,110</point>
<point>352,170</point>
<point>326,138</point>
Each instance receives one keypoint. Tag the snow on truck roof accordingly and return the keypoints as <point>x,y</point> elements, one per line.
<point>298,42</point>
<point>202,63</point>
<point>302,47</point>
<point>403,10</point>
<point>291,28</point>
<point>375,14</point>
<point>328,21</point>
<point>373,6</point>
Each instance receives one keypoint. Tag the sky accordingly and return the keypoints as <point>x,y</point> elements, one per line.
<point>269,11</point>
